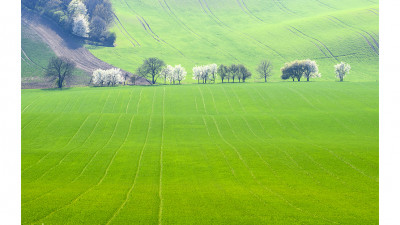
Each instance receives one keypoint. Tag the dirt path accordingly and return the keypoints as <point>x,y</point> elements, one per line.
<point>67,45</point>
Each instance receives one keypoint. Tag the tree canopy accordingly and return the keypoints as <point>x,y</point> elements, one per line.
<point>151,69</point>
<point>59,69</point>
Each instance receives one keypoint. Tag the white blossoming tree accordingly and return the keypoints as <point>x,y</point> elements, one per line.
<point>341,70</point>
<point>76,7</point>
<point>107,77</point>
<point>114,76</point>
<point>197,73</point>
<point>310,69</point>
<point>179,73</point>
<point>80,23</point>
<point>212,70</point>
<point>81,26</point>
<point>166,73</point>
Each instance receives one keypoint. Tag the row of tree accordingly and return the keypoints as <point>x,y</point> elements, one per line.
<point>152,68</point>
<point>89,19</point>
<point>60,68</point>
<point>110,77</point>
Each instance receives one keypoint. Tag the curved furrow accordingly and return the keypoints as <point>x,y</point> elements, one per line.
<point>281,150</point>
<point>48,125</point>
<point>89,189</point>
<point>152,33</point>
<point>374,48</point>
<point>329,172</point>
<point>42,195</point>
<point>260,184</point>
<point>26,107</point>
<point>30,60</point>
<point>317,41</point>
<point>69,142</point>
<point>202,97</point>
<point>374,12</point>
<point>323,3</point>
<point>308,39</point>
<point>241,7</point>
<point>248,36</point>
<point>119,25</point>
<point>236,180</point>
<point>128,194</point>
<point>251,13</point>
<point>160,196</point>
<point>170,12</point>
<point>145,28</point>
<point>283,7</point>
<point>346,162</point>
<point>355,28</point>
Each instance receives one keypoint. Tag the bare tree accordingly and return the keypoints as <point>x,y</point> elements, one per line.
<point>233,72</point>
<point>126,77</point>
<point>265,69</point>
<point>223,72</point>
<point>243,73</point>
<point>151,68</point>
<point>59,69</point>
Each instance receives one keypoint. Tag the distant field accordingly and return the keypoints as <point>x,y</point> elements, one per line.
<point>276,153</point>
<point>195,32</point>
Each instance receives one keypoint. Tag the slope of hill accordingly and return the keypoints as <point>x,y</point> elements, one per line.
<point>194,32</point>
<point>42,39</point>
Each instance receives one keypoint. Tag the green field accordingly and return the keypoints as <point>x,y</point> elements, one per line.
<point>196,32</point>
<point>254,153</point>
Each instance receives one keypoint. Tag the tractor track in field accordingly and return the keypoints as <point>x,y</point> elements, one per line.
<point>367,33</point>
<point>150,31</point>
<point>375,47</point>
<point>323,3</point>
<point>282,7</point>
<point>30,60</point>
<point>91,187</point>
<point>143,22</point>
<point>50,191</point>
<point>236,179</point>
<point>315,39</point>
<point>374,12</point>
<point>127,33</point>
<point>259,182</point>
<point>66,45</point>
<point>244,4</point>
<point>168,10</point>
<point>128,194</point>
<point>220,23</point>
<point>247,10</point>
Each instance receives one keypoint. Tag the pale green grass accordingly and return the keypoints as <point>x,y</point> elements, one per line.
<point>195,32</point>
<point>276,153</point>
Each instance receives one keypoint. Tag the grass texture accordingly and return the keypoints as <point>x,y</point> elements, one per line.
<point>254,153</point>
<point>196,32</point>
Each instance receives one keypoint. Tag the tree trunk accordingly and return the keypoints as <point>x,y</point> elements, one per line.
<point>179,82</point>
<point>341,79</point>
<point>308,79</point>
<point>265,79</point>
<point>233,79</point>
<point>293,79</point>
<point>198,80</point>
<point>153,81</point>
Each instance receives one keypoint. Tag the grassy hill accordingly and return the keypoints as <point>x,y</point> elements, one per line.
<point>194,32</point>
<point>277,153</point>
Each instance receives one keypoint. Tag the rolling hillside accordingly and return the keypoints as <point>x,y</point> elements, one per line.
<point>282,153</point>
<point>195,32</point>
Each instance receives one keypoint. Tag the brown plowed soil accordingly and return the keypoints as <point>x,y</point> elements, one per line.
<point>67,45</point>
